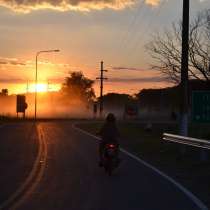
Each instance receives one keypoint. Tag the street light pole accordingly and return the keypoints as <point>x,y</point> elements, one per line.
<point>36,77</point>
<point>36,86</point>
<point>184,70</point>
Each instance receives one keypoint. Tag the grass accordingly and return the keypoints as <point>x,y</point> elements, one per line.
<point>138,139</point>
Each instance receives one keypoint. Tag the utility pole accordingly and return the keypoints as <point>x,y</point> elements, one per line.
<point>48,86</point>
<point>101,78</point>
<point>27,87</point>
<point>209,63</point>
<point>208,52</point>
<point>184,70</point>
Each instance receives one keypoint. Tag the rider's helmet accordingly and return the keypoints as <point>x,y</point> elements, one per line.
<point>110,117</point>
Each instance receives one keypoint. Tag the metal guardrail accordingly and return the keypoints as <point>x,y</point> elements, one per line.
<point>205,144</point>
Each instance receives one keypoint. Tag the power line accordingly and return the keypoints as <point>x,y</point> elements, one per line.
<point>147,29</point>
<point>132,24</point>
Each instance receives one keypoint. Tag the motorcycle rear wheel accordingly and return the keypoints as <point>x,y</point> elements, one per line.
<point>110,172</point>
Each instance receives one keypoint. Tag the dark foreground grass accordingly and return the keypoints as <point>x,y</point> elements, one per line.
<point>148,145</point>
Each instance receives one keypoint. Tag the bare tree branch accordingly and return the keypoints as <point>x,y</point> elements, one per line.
<point>165,49</point>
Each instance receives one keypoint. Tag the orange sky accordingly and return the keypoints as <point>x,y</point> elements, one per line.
<point>52,75</point>
<point>86,32</point>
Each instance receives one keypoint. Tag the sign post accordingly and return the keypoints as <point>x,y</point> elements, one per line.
<point>201,112</point>
<point>95,110</point>
<point>21,105</point>
<point>201,106</point>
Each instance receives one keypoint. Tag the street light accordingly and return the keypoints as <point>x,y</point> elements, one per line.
<point>37,54</point>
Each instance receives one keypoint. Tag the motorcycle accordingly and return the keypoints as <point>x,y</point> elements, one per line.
<point>110,158</point>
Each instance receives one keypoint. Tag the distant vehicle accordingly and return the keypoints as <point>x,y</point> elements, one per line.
<point>110,158</point>
<point>131,110</point>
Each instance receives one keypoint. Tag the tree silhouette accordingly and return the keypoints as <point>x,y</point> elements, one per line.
<point>78,87</point>
<point>116,100</point>
<point>4,92</point>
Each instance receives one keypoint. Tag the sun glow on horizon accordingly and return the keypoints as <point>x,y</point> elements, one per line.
<point>40,88</point>
<point>30,88</point>
<point>43,87</point>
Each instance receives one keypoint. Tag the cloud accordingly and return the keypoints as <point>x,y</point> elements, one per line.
<point>11,61</point>
<point>140,80</point>
<point>24,81</point>
<point>120,68</point>
<point>153,2</point>
<point>26,6</point>
<point>12,81</point>
<point>111,80</point>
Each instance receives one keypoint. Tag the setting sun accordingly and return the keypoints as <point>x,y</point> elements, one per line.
<point>41,88</point>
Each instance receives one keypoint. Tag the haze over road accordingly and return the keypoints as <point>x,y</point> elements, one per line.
<point>72,179</point>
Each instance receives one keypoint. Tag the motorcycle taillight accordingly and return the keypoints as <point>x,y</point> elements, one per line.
<point>111,146</point>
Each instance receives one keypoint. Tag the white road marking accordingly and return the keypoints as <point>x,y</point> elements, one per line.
<point>189,194</point>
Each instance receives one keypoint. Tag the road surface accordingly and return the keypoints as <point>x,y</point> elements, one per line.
<point>71,179</point>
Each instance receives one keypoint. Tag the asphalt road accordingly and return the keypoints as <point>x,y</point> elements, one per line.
<point>73,181</point>
<point>18,150</point>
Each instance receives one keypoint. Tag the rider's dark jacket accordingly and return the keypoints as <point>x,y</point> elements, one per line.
<point>109,133</point>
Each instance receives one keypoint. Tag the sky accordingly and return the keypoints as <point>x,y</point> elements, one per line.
<point>85,32</point>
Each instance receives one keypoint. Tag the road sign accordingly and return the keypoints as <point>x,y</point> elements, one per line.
<point>21,105</point>
<point>201,106</point>
<point>131,110</point>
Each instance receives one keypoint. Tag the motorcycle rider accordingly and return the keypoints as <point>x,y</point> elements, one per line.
<point>109,133</point>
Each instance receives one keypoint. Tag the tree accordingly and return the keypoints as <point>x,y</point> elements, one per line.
<point>4,92</point>
<point>116,100</point>
<point>78,87</point>
<point>165,49</point>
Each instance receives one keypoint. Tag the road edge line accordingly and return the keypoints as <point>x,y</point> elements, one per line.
<point>39,175</point>
<point>189,194</point>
